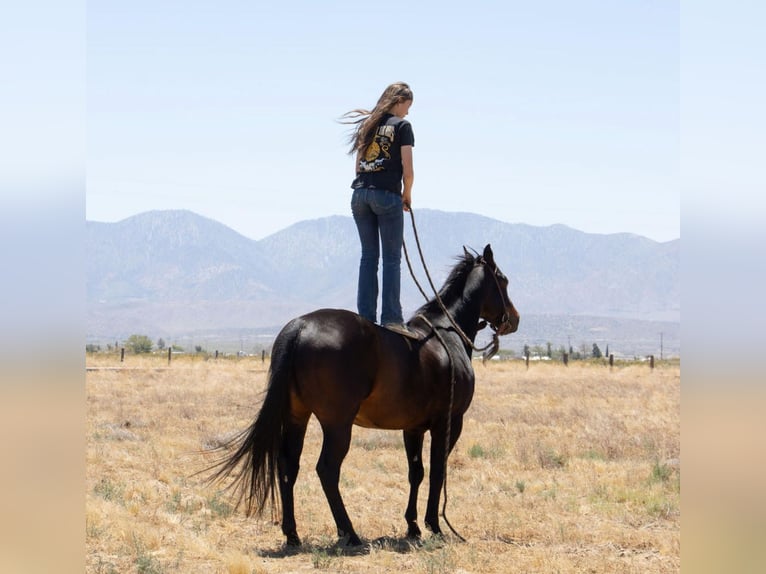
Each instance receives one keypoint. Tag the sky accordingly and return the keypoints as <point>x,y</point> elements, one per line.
<point>537,113</point>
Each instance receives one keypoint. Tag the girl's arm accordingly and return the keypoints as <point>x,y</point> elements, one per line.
<point>408,176</point>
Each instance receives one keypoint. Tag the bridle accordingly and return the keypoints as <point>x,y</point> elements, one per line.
<point>504,318</point>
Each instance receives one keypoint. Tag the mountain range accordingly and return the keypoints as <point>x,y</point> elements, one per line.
<point>189,279</point>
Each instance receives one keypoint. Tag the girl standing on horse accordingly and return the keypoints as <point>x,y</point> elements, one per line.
<point>382,143</point>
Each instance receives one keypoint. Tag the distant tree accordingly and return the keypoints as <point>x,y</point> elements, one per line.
<point>526,350</point>
<point>161,344</point>
<point>538,351</point>
<point>582,352</point>
<point>92,348</point>
<point>139,344</point>
<point>198,349</point>
<point>596,353</point>
<point>606,353</point>
<point>549,354</point>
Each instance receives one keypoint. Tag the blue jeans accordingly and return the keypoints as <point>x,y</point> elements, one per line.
<point>380,222</point>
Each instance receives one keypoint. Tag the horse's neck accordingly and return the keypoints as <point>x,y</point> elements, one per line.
<point>465,312</point>
<point>470,328</point>
<point>464,309</point>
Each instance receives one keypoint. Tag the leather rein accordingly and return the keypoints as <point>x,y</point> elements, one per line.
<point>493,346</point>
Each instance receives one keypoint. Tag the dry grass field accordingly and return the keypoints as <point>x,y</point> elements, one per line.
<point>558,469</point>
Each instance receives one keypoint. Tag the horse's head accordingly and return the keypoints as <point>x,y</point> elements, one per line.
<point>497,308</point>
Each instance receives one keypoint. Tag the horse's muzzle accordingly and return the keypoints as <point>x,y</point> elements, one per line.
<point>509,323</point>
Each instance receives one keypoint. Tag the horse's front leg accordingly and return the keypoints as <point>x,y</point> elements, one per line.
<point>438,460</point>
<point>337,439</point>
<point>413,445</point>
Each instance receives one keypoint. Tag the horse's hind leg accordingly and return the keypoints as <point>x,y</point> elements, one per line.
<point>337,439</point>
<point>288,466</point>
<point>413,444</point>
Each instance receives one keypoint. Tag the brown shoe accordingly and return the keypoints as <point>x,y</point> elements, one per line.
<point>402,329</point>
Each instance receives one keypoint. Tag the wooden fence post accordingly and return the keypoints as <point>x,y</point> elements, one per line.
<point>170,353</point>
<point>651,361</point>
<point>122,354</point>
<point>527,358</point>
<point>216,354</point>
<point>611,360</point>
<point>263,355</point>
<point>566,359</point>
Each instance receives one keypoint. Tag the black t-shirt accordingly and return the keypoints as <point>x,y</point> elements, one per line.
<point>380,166</point>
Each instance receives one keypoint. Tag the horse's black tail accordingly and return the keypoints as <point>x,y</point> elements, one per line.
<point>254,462</point>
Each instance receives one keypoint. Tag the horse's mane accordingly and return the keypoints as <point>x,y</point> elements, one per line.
<point>453,287</point>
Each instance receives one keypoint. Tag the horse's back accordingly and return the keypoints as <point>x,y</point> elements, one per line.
<point>346,369</point>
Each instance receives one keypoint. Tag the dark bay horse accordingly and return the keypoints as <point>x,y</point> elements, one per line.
<point>346,370</point>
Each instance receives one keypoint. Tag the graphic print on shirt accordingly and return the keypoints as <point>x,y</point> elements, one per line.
<point>377,151</point>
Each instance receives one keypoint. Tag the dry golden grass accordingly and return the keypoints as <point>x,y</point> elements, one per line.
<point>558,470</point>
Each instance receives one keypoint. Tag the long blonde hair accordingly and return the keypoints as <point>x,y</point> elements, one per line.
<point>365,121</point>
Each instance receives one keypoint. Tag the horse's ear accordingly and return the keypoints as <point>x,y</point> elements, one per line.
<point>488,256</point>
<point>475,253</point>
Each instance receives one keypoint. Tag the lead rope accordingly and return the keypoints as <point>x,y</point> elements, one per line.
<point>449,356</point>
<point>449,424</point>
<point>492,344</point>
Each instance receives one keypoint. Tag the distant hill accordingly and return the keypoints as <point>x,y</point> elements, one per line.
<point>177,275</point>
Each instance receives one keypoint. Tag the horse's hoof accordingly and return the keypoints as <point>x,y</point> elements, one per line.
<point>293,540</point>
<point>349,540</point>
<point>413,531</point>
